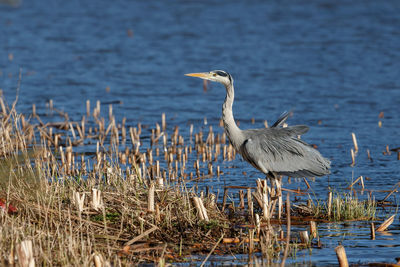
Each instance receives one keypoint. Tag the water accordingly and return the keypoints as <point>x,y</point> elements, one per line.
<point>336,62</point>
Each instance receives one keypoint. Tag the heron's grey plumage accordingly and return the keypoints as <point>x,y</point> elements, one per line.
<point>275,150</point>
<point>280,151</point>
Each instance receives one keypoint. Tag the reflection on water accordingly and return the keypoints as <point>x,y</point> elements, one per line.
<point>335,64</point>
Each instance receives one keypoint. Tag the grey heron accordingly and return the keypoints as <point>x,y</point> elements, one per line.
<point>275,151</point>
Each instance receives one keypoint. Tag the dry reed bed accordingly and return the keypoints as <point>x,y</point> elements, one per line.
<point>110,207</point>
<point>122,203</point>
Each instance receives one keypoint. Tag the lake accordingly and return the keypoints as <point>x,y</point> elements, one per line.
<point>335,64</point>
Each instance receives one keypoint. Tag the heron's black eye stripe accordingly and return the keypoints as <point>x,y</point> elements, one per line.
<point>221,73</point>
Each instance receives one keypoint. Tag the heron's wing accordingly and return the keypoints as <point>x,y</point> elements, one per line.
<point>282,118</point>
<point>292,130</point>
<point>280,151</point>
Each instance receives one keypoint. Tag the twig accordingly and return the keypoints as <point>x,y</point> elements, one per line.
<point>308,185</point>
<point>212,250</point>
<point>145,233</point>
<point>353,183</point>
<point>391,192</point>
<point>285,254</point>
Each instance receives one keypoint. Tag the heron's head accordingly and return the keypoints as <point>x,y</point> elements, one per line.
<point>215,76</point>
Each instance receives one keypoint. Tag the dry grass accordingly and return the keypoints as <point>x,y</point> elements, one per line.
<point>117,203</point>
<point>56,193</point>
<point>61,234</point>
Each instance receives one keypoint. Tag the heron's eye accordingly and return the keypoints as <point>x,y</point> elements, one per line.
<point>221,73</point>
<point>214,74</point>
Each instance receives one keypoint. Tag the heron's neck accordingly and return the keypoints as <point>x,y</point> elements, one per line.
<point>232,130</point>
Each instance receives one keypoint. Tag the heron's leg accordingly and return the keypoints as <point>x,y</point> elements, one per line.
<point>272,179</point>
<point>276,182</point>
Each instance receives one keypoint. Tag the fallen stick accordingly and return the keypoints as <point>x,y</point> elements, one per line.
<point>353,183</point>
<point>236,240</point>
<point>212,250</point>
<point>138,248</point>
<point>146,249</point>
<point>145,233</point>
<point>386,224</point>
<point>391,192</point>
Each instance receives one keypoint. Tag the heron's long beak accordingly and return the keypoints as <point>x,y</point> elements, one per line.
<point>203,75</point>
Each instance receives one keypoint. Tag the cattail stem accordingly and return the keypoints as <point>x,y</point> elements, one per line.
<point>304,237</point>
<point>372,231</point>
<point>225,198</point>
<point>163,123</point>
<point>353,160</point>
<point>251,241</point>
<point>329,204</point>
<point>258,224</point>
<point>265,202</point>
<point>201,210</point>
<point>353,135</point>
<point>150,201</point>
<point>88,108</point>
<point>241,197</point>
<point>25,254</point>
<point>96,199</point>
<point>313,229</point>
<point>250,204</point>
<point>341,255</point>
<point>369,155</point>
